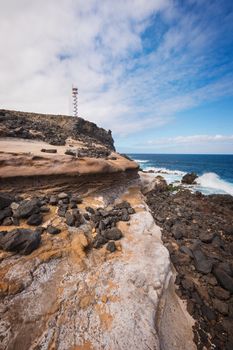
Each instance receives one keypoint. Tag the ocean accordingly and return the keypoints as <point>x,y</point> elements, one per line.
<point>215,172</point>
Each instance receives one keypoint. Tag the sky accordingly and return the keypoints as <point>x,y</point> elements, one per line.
<point>158,73</point>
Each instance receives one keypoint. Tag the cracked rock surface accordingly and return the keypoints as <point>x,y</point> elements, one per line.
<point>65,296</point>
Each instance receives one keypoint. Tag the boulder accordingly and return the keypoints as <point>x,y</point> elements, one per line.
<point>53,200</point>
<point>7,221</point>
<point>189,179</point>
<point>220,306</point>
<point>74,218</point>
<point>76,199</point>
<point>122,205</point>
<point>5,201</point>
<point>186,250</point>
<point>62,195</point>
<point>99,241</point>
<point>221,293</point>
<point>53,230</point>
<point>125,215</point>
<point>22,241</point>
<point>73,205</point>
<point>112,234</point>
<point>71,152</point>
<point>35,219</point>
<point>206,237</point>
<point>86,216</point>
<point>90,210</point>
<point>178,231</point>
<point>223,279</point>
<point>208,312</point>
<point>27,208</point>
<point>201,262</point>
<point>70,219</point>
<point>62,210</point>
<point>4,213</point>
<point>44,209</point>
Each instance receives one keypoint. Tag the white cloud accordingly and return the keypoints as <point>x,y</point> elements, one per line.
<point>48,45</point>
<point>191,139</point>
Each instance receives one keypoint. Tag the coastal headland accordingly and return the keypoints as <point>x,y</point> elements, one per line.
<point>95,254</point>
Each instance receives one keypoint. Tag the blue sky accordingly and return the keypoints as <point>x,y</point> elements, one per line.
<point>158,73</point>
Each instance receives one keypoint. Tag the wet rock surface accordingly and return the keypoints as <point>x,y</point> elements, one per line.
<point>189,179</point>
<point>197,230</point>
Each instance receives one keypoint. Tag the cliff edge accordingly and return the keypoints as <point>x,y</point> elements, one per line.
<point>82,263</point>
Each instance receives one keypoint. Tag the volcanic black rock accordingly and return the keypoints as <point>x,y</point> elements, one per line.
<point>111,246</point>
<point>35,219</point>
<point>189,179</point>
<point>113,234</point>
<point>5,201</point>
<point>53,230</point>
<point>22,241</point>
<point>27,208</point>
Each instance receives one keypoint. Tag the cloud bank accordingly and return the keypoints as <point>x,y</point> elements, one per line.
<point>137,63</point>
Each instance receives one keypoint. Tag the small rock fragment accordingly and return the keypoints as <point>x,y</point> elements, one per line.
<point>49,150</point>
<point>111,246</point>
<point>53,200</point>
<point>113,234</point>
<point>53,230</point>
<point>90,210</point>
<point>62,195</point>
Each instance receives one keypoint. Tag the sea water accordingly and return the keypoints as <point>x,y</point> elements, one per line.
<point>215,172</point>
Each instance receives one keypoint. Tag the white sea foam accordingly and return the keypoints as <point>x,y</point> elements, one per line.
<point>208,183</point>
<point>212,181</point>
<point>165,171</point>
<point>141,161</point>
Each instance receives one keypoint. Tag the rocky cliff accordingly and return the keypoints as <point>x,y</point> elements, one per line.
<point>82,263</point>
<point>53,129</point>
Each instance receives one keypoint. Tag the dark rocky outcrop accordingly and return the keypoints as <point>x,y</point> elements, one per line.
<point>54,129</point>
<point>189,179</point>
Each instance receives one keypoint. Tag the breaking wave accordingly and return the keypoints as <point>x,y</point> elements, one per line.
<point>213,181</point>
<point>165,171</point>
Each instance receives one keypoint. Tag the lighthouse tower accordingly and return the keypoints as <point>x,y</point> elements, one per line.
<point>75,101</point>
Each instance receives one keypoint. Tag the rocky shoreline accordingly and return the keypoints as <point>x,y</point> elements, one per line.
<point>198,232</point>
<point>82,263</point>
